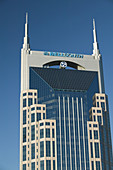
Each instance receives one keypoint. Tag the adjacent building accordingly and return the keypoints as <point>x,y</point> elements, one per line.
<point>64,114</point>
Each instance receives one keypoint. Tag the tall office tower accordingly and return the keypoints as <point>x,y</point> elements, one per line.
<point>64,115</point>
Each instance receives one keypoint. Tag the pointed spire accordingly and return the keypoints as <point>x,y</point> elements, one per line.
<point>95,44</point>
<point>26,38</point>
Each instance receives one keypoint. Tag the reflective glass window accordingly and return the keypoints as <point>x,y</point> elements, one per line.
<point>38,108</point>
<point>24,102</point>
<point>41,165</point>
<point>33,166</point>
<point>48,164</point>
<point>33,132</point>
<point>30,102</point>
<point>24,166</point>
<point>33,108</point>
<point>30,94</point>
<point>99,119</point>
<point>24,94</point>
<point>38,116</point>
<point>95,134</point>
<point>53,164</point>
<point>48,123</point>
<point>53,133</point>
<point>90,132</point>
<point>24,117</point>
<point>41,133</point>
<point>24,134</point>
<point>48,149</point>
<point>33,151</point>
<point>53,148</point>
<point>97,165</point>
<point>43,115</point>
<point>33,117</point>
<point>42,149</point>
<point>47,133</point>
<point>91,147</point>
<point>96,150</point>
<point>92,165</point>
<point>24,153</point>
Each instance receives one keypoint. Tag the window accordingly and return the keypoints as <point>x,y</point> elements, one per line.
<point>102,98</point>
<point>98,111</point>
<point>91,147</point>
<point>33,166</point>
<point>53,164</point>
<point>43,115</point>
<point>103,105</point>
<point>99,119</point>
<point>33,132</point>
<point>24,166</point>
<point>33,117</point>
<point>30,94</point>
<point>48,123</point>
<point>53,148</point>
<point>24,117</point>
<point>47,133</point>
<point>94,118</point>
<point>41,124</point>
<point>92,164</point>
<point>34,101</point>
<point>96,150</point>
<point>43,108</point>
<point>24,94</point>
<point>38,116</point>
<point>97,104</point>
<point>48,149</point>
<point>33,108</point>
<point>42,149</point>
<point>30,102</point>
<point>33,151</point>
<point>48,164</point>
<point>24,102</point>
<point>95,125</point>
<point>89,125</point>
<point>52,123</point>
<point>97,165</point>
<point>41,133</point>
<point>95,134</point>
<point>93,111</point>
<point>38,108</point>
<point>24,134</point>
<point>53,133</point>
<point>97,97</point>
<point>24,153</point>
<point>35,94</point>
<point>90,132</point>
<point>41,165</point>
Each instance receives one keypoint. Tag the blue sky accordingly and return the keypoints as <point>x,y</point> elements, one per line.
<point>54,25</point>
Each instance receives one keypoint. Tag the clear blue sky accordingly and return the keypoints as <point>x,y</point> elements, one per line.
<point>54,25</point>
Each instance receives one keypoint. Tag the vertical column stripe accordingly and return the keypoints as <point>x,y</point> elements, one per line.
<point>83,132</point>
<point>78,131</point>
<point>69,134</point>
<point>60,132</point>
<point>65,131</point>
<point>74,133</point>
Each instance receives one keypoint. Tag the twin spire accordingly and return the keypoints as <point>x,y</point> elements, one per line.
<point>96,52</point>
<point>26,44</point>
<point>95,44</point>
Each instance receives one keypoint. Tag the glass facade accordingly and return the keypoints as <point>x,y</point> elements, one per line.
<point>70,108</point>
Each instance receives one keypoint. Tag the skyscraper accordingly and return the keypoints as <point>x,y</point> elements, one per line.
<point>64,114</point>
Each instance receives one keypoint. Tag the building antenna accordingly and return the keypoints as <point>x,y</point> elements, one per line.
<point>95,44</point>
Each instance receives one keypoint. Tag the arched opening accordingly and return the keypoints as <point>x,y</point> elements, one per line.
<point>56,64</point>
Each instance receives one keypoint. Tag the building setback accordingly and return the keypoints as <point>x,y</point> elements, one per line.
<point>64,114</point>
